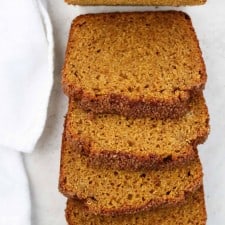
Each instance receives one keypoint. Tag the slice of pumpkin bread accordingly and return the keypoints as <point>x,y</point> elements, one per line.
<point>137,2</point>
<point>128,143</point>
<point>192,212</point>
<point>134,64</point>
<point>109,191</point>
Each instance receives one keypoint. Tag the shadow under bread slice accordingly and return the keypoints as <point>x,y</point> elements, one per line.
<point>191,212</point>
<point>137,64</point>
<point>137,2</point>
<point>110,192</point>
<point>128,143</point>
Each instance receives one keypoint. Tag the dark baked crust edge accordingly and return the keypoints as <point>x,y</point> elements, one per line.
<point>131,161</point>
<point>196,197</point>
<point>165,202</point>
<point>128,210</point>
<point>124,161</point>
<point>123,105</point>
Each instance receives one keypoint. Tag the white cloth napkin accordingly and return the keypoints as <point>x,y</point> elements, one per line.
<point>26,77</point>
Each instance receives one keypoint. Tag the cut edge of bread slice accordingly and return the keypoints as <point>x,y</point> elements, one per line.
<point>138,106</point>
<point>92,185</point>
<point>192,210</point>
<point>119,159</point>
<point>137,2</point>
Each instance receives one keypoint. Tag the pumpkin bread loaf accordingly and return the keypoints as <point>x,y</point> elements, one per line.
<point>192,212</point>
<point>137,2</point>
<point>146,64</point>
<point>110,192</point>
<point>128,143</point>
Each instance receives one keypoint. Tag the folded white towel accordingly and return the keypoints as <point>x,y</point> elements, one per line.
<point>25,73</point>
<point>26,77</point>
<point>14,190</point>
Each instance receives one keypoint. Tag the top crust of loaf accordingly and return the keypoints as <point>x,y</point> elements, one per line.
<point>137,2</point>
<point>134,64</point>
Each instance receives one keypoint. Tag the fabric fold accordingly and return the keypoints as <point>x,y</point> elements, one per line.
<point>26,79</point>
<point>15,204</point>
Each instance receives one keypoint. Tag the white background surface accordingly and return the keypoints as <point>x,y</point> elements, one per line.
<point>43,165</point>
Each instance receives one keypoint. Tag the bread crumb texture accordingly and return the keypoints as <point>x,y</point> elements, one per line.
<point>123,142</point>
<point>191,212</point>
<point>109,191</point>
<point>134,63</point>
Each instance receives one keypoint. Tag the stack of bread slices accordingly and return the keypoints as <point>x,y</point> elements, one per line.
<point>136,115</point>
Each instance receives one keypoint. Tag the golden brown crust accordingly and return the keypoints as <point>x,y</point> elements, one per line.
<point>127,210</point>
<point>137,2</point>
<point>123,105</point>
<point>192,210</point>
<point>154,203</point>
<point>138,108</point>
<point>130,160</point>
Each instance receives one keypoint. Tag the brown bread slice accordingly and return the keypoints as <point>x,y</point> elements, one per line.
<point>134,64</point>
<point>192,212</point>
<point>128,143</point>
<point>137,2</point>
<point>108,191</point>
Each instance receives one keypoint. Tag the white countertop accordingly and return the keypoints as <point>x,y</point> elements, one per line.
<point>43,165</point>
